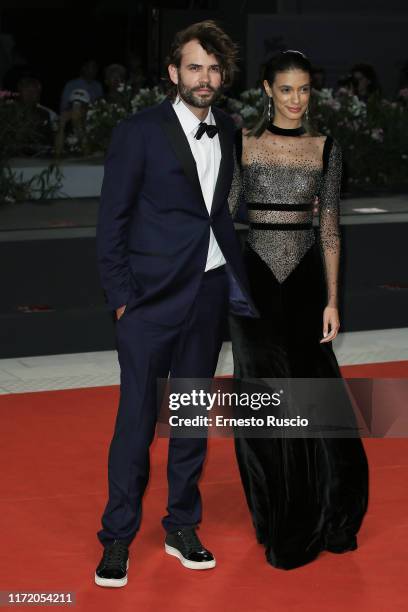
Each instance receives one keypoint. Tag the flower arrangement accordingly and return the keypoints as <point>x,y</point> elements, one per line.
<point>103,115</point>
<point>246,110</point>
<point>147,97</point>
<point>17,128</point>
<point>101,118</point>
<point>373,135</point>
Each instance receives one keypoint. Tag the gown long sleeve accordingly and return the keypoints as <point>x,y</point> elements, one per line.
<point>329,198</point>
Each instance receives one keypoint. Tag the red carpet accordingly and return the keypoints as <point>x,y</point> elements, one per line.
<point>54,452</point>
<point>391,369</point>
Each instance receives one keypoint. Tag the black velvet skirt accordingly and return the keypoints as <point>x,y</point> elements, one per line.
<point>305,494</point>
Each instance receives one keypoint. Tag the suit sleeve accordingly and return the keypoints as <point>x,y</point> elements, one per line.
<point>124,167</point>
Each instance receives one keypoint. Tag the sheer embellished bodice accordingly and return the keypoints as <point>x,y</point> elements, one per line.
<point>279,178</point>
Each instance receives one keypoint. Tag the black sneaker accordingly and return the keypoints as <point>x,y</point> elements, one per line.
<point>112,570</point>
<point>186,546</point>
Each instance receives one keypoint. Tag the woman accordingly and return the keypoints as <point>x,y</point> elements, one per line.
<point>309,494</point>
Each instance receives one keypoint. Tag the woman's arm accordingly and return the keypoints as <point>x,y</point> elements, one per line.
<point>329,198</point>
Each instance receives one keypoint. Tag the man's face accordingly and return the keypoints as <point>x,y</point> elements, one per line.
<point>199,77</point>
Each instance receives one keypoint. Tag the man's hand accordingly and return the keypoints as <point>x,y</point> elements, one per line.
<point>120,311</point>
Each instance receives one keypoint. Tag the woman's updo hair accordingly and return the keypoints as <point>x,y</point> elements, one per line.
<point>281,62</point>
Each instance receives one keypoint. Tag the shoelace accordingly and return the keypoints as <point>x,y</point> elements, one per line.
<point>191,540</point>
<point>115,554</point>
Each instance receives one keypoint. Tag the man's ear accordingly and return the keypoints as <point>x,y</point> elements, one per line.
<point>173,73</point>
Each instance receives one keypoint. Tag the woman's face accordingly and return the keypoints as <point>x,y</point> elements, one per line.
<point>290,92</point>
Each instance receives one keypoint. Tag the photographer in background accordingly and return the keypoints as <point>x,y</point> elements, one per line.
<point>86,81</point>
<point>71,135</point>
<point>42,119</point>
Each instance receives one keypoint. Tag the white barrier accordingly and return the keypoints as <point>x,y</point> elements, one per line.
<point>82,178</point>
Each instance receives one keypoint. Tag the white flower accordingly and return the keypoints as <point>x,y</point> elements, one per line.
<point>377,134</point>
<point>72,140</point>
<point>324,95</point>
<point>334,104</point>
<point>248,111</point>
<point>358,107</point>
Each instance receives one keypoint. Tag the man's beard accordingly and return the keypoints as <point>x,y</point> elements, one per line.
<point>190,98</point>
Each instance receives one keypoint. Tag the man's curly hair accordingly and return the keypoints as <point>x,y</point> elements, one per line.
<point>214,41</point>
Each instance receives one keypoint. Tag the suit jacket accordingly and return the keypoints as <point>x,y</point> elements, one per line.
<point>153,227</point>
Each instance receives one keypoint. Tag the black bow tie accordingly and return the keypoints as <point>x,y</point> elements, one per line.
<point>211,130</point>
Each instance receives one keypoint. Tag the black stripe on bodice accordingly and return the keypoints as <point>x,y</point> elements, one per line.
<point>305,206</point>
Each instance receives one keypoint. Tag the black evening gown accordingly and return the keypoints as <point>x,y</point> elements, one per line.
<point>305,495</point>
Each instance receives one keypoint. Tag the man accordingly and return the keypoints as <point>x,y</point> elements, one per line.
<point>115,76</point>
<point>87,81</point>
<point>169,260</point>
<point>42,120</point>
<point>73,124</point>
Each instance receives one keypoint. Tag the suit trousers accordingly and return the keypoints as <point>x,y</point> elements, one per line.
<point>148,351</point>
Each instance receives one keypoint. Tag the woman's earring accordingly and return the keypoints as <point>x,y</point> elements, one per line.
<point>269,110</point>
<point>307,114</point>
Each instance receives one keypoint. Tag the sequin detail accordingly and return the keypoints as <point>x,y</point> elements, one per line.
<point>289,171</point>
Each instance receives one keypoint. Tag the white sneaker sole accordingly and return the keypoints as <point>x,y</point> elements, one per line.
<point>112,582</point>
<point>195,565</point>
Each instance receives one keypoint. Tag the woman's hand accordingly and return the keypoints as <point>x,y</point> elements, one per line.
<point>331,324</point>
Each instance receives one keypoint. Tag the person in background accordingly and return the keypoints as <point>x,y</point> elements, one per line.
<point>345,85</point>
<point>115,75</point>
<point>43,119</point>
<point>402,93</point>
<point>137,78</point>
<point>365,81</point>
<point>86,81</point>
<point>16,66</point>
<point>72,124</point>
<point>318,78</point>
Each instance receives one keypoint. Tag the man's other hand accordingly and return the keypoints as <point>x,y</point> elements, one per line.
<point>120,311</point>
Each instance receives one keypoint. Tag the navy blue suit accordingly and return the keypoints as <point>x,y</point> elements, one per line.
<point>152,240</point>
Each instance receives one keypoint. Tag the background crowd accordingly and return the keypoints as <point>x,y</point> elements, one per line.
<point>98,97</point>
<point>52,129</point>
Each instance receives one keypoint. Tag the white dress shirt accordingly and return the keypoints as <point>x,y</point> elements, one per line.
<point>207,155</point>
